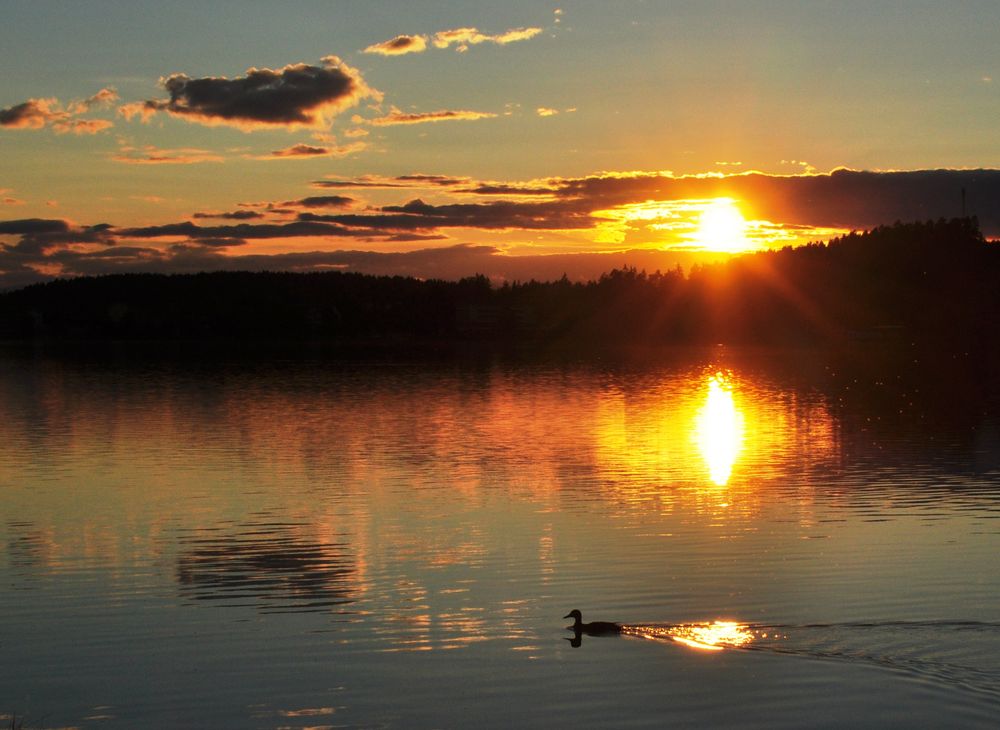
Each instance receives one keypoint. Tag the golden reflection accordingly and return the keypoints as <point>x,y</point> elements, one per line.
<point>366,520</point>
<point>719,430</point>
<point>714,636</point>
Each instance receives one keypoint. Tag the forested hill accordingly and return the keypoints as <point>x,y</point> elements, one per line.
<point>933,281</point>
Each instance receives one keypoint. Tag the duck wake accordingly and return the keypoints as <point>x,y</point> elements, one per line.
<point>963,654</point>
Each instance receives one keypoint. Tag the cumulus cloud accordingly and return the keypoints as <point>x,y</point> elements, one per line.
<point>31,114</point>
<point>462,38</point>
<point>395,117</point>
<point>399,45</point>
<point>296,96</point>
<point>150,155</point>
<point>49,112</point>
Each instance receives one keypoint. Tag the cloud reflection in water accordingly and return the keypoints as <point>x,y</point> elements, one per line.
<point>267,565</point>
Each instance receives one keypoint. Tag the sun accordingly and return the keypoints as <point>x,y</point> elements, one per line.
<point>722,227</point>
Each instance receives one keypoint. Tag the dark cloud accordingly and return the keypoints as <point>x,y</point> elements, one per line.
<point>506,189</point>
<point>306,151</point>
<point>298,95</point>
<point>33,225</point>
<point>500,214</point>
<point>302,150</point>
<point>372,221</point>
<point>436,180</point>
<point>416,180</point>
<point>322,201</point>
<point>40,237</point>
<point>337,184</point>
<point>841,199</point>
<point>307,225</point>
<point>236,215</point>
<point>31,114</point>
<point>216,242</point>
<point>241,230</point>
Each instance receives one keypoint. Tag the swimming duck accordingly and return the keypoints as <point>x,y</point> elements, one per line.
<point>594,628</point>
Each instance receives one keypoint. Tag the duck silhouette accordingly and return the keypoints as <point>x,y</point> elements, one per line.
<point>594,628</point>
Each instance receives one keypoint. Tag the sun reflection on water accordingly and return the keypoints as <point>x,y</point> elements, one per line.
<point>714,636</point>
<point>719,429</point>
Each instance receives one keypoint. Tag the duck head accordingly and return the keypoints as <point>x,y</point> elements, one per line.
<point>575,615</point>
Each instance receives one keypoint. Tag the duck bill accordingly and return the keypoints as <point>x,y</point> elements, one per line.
<point>568,615</point>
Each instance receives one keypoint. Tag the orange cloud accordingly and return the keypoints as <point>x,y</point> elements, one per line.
<point>399,45</point>
<point>396,117</point>
<point>462,38</point>
<point>48,112</point>
<point>305,151</point>
<point>145,110</point>
<point>31,114</point>
<point>82,126</point>
<point>150,155</point>
<point>8,199</point>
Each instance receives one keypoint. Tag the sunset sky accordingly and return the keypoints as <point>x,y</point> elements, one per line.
<point>516,139</point>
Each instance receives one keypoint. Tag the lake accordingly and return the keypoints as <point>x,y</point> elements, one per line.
<point>790,540</point>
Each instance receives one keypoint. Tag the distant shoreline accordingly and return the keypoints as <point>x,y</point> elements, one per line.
<point>929,285</point>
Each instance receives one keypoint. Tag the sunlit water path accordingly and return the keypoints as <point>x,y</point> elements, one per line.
<point>300,543</point>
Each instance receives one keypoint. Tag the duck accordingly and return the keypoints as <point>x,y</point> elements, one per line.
<point>594,628</point>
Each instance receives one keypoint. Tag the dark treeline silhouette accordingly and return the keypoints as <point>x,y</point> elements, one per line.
<point>935,282</point>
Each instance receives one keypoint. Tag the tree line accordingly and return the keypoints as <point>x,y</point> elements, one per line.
<point>934,281</point>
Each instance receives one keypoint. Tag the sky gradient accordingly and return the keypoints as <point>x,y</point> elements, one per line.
<point>514,139</point>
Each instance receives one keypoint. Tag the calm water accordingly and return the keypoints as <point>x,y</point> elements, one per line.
<point>314,544</point>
